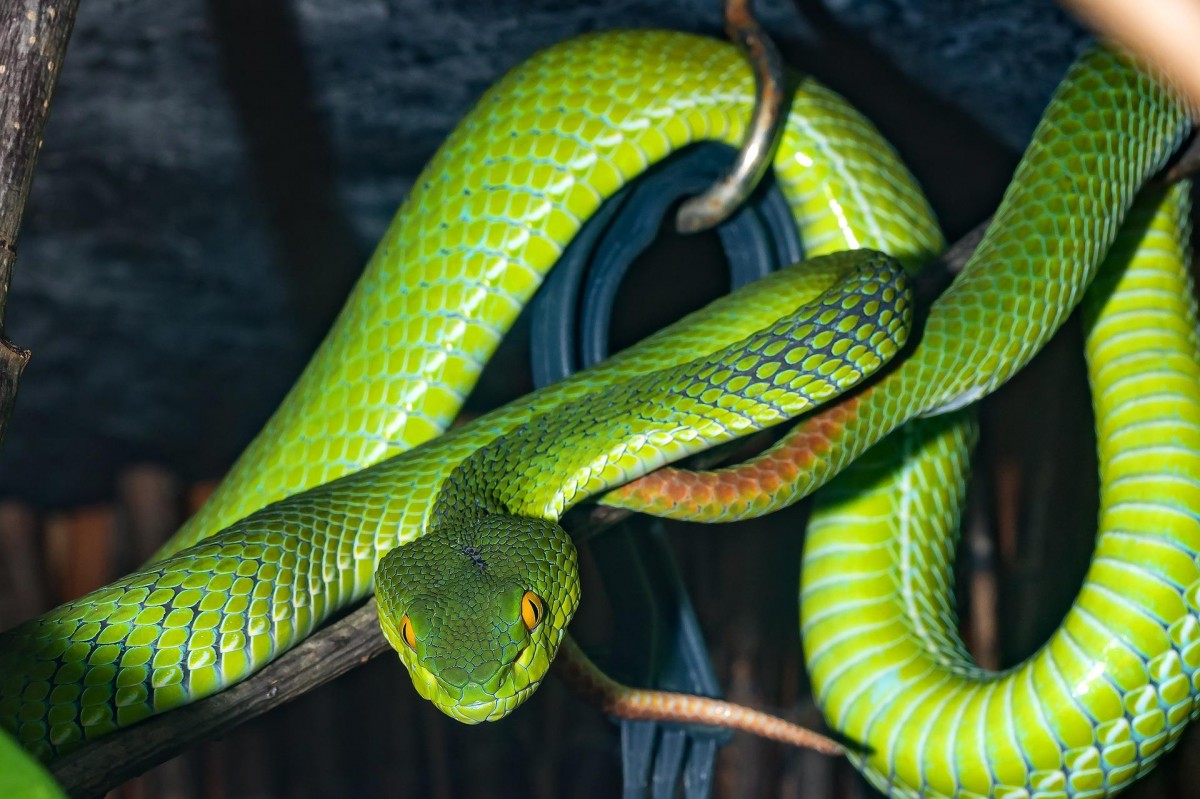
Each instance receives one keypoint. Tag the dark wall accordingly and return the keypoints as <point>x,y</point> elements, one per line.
<point>215,173</point>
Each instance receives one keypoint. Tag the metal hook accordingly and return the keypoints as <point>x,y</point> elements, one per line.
<point>719,201</point>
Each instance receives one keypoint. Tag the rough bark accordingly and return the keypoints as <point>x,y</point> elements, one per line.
<point>33,41</point>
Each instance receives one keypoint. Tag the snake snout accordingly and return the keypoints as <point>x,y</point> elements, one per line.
<point>485,671</point>
<point>454,676</point>
<point>480,675</point>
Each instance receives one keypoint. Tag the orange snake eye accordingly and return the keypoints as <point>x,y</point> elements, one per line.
<point>406,632</point>
<point>532,609</point>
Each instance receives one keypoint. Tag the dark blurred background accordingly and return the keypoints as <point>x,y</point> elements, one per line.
<point>215,173</point>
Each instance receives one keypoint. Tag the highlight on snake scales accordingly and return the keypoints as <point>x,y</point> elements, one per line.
<point>583,400</point>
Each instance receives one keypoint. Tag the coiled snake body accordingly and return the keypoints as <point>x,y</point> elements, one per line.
<point>347,487</point>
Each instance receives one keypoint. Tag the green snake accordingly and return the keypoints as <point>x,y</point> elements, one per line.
<point>355,484</point>
<point>1116,684</point>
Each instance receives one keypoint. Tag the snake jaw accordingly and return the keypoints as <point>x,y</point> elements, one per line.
<point>511,686</point>
<point>492,700</point>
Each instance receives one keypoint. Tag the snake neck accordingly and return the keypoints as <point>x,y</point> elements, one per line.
<point>473,492</point>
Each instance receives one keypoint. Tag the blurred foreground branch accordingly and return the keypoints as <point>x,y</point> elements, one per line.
<point>1164,32</point>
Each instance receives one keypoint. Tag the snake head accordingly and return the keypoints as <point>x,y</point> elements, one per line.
<point>477,610</point>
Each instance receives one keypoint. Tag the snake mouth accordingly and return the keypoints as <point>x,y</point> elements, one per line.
<point>476,703</point>
<point>472,708</point>
<point>475,712</point>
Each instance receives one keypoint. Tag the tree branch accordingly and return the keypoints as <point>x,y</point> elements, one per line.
<point>329,653</point>
<point>33,41</point>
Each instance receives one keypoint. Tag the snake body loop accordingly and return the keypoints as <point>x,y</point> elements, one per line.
<point>1113,688</point>
<point>331,499</point>
<point>296,530</point>
<point>1107,130</point>
<point>492,534</point>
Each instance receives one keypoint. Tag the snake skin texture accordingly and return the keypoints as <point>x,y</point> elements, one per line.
<point>1083,717</point>
<point>496,206</point>
<point>457,591</point>
<point>1114,687</point>
<point>1108,128</point>
<point>490,213</point>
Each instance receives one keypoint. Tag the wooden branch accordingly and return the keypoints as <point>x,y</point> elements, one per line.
<point>33,41</point>
<point>331,652</point>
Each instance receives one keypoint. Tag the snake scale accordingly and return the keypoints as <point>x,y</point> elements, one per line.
<point>356,471</point>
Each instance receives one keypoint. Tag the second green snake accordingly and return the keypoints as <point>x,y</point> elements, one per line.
<point>497,204</point>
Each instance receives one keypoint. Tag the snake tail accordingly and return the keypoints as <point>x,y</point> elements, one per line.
<point>622,701</point>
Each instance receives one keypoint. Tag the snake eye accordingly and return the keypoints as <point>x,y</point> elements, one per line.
<point>531,609</point>
<point>406,632</point>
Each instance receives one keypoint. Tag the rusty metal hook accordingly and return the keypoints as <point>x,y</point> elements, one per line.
<point>719,201</point>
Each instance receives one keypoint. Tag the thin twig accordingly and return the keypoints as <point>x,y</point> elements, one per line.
<point>719,201</point>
